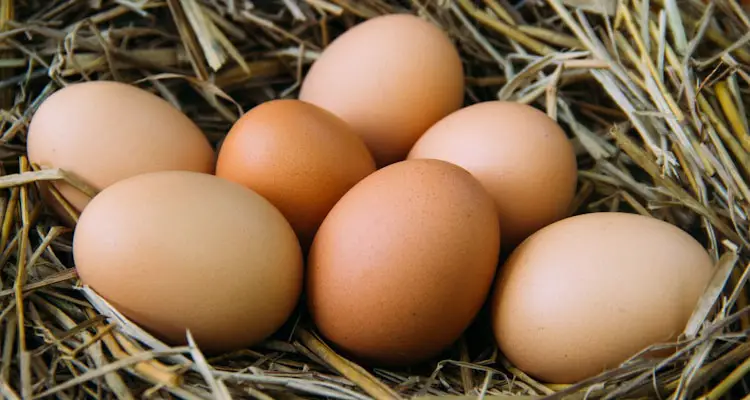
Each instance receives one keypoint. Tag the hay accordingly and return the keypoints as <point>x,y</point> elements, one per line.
<point>653,92</point>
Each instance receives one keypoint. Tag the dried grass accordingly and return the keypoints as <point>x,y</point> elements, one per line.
<point>654,94</point>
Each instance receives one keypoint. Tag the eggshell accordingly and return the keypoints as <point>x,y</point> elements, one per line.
<point>403,262</point>
<point>586,293</point>
<point>300,157</point>
<point>390,77</point>
<point>521,156</point>
<point>106,131</point>
<point>179,250</point>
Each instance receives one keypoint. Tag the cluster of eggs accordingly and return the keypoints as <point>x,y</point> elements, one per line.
<point>378,195</point>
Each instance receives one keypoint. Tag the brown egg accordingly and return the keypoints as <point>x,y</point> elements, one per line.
<point>520,155</point>
<point>586,293</point>
<point>297,155</point>
<point>179,250</point>
<point>105,131</point>
<point>390,78</point>
<point>403,262</point>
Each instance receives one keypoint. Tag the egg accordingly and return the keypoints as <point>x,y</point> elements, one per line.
<point>520,155</point>
<point>586,293</point>
<point>403,262</point>
<point>106,131</point>
<point>178,250</point>
<point>298,156</point>
<point>390,77</point>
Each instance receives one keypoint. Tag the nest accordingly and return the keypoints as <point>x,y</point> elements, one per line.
<point>652,92</point>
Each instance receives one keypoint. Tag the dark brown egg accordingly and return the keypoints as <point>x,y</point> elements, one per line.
<point>300,157</point>
<point>403,262</point>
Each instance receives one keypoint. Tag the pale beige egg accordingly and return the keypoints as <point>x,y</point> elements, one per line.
<point>390,78</point>
<point>521,156</point>
<point>586,293</point>
<point>106,131</point>
<point>178,250</point>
